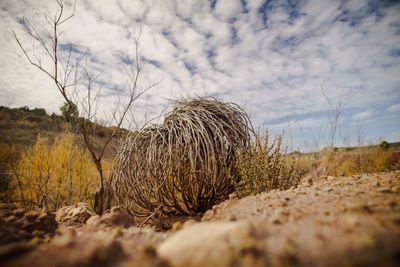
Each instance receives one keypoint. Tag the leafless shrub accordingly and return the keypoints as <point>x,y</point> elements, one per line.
<point>80,87</point>
<point>185,165</point>
<point>335,112</point>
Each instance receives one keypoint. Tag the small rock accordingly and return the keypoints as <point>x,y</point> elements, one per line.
<point>38,233</point>
<point>7,206</point>
<point>277,215</point>
<point>93,221</point>
<point>31,215</point>
<point>14,250</point>
<point>232,218</point>
<point>233,195</point>
<point>19,213</point>
<point>364,240</point>
<point>177,226</point>
<point>306,183</point>
<point>117,231</point>
<point>47,239</point>
<point>116,217</point>
<point>66,239</point>
<point>189,223</point>
<point>27,225</point>
<point>42,216</point>
<point>376,184</point>
<point>10,219</point>
<point>395,218</point>
<point>76,215</point>
<point>392,203</point>
<point>327,189</point>
<point>163,226</point>
<point>331,178</point>
<point>359,207</point>
<point>384,190</point>
<point>35,241</point>
<point>192,245</point>
<point>352,221</point>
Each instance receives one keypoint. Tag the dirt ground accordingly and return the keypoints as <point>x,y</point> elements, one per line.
<point>334,221</point>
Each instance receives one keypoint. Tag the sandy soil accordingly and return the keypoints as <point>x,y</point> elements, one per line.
<point>346,221</point>
<point>335,221</point>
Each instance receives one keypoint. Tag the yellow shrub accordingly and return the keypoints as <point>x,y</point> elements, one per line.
<point>369,160</point>
<point>348,167</point>
<point>52,175</point>
<point>380,159</point>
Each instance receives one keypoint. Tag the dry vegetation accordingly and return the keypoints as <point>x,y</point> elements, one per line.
<point>52,175</point>
<point>263,167</point>
<point>204,150</point>
<point>372,160</point>
<point>45,165</point>
<point>185,165</point>
<point>350,161</point>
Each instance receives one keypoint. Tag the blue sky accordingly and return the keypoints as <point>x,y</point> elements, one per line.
<point>270,57</point>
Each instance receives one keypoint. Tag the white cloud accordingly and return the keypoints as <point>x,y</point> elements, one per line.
<point>394,108</point>
<point>301,124</point>
<point>361,116</point>
<point>273,69</point>
<point>226,9</point>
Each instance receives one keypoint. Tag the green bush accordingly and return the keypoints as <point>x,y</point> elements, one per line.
<point>384,145</point>
<point>69,111</point>
<point>40,112</point>
<point>263,167</point>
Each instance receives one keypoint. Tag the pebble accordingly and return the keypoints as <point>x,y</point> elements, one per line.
<point>396,218</point>
<point>384,189</point>
<point>177,226</point>
<point>19,212</point>
<point>392,203</point>
<point>358,207</point>
<point>327,189</point>
<point>38,233</point>
<point>35,241</point>
<point>10,219</point>
<point>233,195</point>
<point>210,244</point>
<point>63,240</point>
<point>352,221</point>
<point>365,239</point>
<point>331,178</point>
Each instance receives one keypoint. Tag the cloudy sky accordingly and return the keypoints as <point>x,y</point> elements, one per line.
<point>270,57</point>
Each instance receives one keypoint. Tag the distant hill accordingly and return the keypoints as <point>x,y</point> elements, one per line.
<point>21,127</point>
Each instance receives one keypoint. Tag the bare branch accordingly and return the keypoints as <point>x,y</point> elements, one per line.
<point>67,71</point>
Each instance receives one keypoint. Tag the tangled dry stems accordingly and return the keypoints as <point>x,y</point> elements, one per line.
<point>185,165</point>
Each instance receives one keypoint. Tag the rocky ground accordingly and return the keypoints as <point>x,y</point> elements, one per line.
<point>335,221</point>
